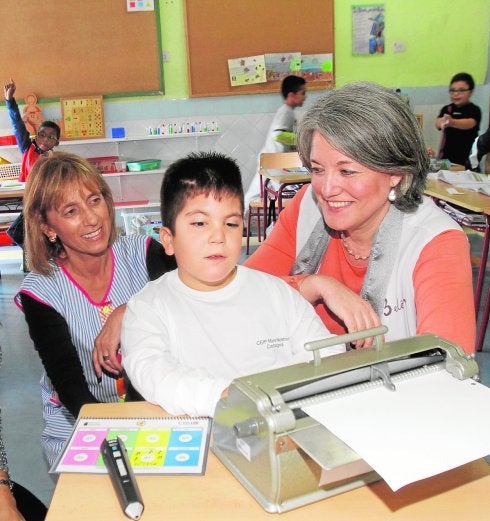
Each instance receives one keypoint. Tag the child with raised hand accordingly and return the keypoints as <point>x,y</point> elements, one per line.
<point>188,334</point>
<point>459,121</point>
<point>48,133</point>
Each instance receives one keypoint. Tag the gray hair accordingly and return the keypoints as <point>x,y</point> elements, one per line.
<point>375,127</point>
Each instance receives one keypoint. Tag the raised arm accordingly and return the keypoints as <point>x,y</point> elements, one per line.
<point>21,133</point>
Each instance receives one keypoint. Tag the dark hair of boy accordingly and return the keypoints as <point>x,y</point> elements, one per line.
<point>464,76</point>
<point>291,84</point>
<point>50,124</point>
<point>201,173</point>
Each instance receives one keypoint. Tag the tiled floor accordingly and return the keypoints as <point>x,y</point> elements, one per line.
<point>19,387</point>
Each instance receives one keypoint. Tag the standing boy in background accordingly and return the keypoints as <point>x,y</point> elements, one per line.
<point>188,334</point>
<point>48,134</point>
<point>459,121</point>
<point>281,136</point>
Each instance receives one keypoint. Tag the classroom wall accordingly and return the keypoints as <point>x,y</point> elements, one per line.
<point>440,38</point>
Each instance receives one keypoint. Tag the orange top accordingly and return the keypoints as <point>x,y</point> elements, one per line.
<point>442,278</point>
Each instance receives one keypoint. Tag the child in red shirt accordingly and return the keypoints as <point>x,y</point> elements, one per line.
<point>47,137</point>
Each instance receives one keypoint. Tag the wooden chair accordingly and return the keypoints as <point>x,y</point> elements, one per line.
<point>268,160</point>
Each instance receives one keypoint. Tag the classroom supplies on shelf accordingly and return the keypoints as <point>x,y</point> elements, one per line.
<point>104,164</point>
<point>160,445</point>
<point>171,128</point>
<point>11,184</point>
<point>143,164</point>
<point>10,170</point>
<point>7,140</point>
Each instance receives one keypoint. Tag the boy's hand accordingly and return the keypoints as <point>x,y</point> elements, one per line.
<point>9,89</point>
<point>446,120</point>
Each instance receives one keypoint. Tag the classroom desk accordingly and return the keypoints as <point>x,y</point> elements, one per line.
<point>457,495</point>
<point>276,182</point>
<point>11,200</point>
<point>479,203</point>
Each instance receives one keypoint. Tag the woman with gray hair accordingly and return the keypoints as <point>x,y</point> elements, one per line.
<point>362,243</point>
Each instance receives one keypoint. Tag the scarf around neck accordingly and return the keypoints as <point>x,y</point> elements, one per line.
<point>381,260</point>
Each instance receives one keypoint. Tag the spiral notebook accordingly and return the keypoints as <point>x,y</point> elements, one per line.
<point>164,445</point>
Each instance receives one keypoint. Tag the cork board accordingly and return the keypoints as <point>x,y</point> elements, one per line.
<point>218,30</point>
<point>75,48</point>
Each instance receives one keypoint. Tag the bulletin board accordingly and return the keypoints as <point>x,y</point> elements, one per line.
<point>82,118</point>
<point>218,30</point>
<point>76,48</point>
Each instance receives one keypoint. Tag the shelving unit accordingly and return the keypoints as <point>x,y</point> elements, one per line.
<point>132,189</point>
<point>136,189</point>
<point>126,139</point>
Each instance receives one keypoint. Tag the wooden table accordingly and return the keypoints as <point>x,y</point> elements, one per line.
<point>275,184</point>
<point>456,495</point>
<point>11,200</point>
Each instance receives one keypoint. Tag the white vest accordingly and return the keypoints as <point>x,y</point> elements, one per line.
<point>418,229</point>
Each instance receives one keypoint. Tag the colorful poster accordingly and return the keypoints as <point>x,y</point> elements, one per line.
<point>368,25</point>
<point>280,65</point>
<point>246,71</point>
<point>167,445</point>
<point>317,67</point>
<point>140,5</point>
<point>82,118</point>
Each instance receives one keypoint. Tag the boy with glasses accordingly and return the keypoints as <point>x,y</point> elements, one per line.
<point>459,121</point>
<point>48,134</point>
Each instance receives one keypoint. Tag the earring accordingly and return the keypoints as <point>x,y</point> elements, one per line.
<point>52,238</point>
<point>392,196</point>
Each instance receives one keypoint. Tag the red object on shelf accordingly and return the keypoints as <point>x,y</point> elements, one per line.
<point>5,240</point>
<point>7,140</point>
<point>131,203</point>
<point>105,165</point>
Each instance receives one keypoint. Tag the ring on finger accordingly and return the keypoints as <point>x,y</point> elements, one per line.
<point>105,358</point>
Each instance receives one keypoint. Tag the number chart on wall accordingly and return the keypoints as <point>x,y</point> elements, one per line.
<point>82,118</point>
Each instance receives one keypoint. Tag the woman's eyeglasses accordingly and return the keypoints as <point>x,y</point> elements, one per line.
<point>458,91</point>
<point>47,136</point>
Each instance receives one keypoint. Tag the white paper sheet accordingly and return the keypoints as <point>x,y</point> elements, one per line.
<point>430,424</point>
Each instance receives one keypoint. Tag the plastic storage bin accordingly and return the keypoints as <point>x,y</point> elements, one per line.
<point>148,223</point>
<point>105,165</point>
<point>144,164</point>
<point>10,171</point>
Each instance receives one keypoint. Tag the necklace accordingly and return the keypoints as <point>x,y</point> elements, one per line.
<point>350,252</point>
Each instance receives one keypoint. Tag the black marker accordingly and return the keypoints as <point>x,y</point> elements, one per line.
<point>116,460</point>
